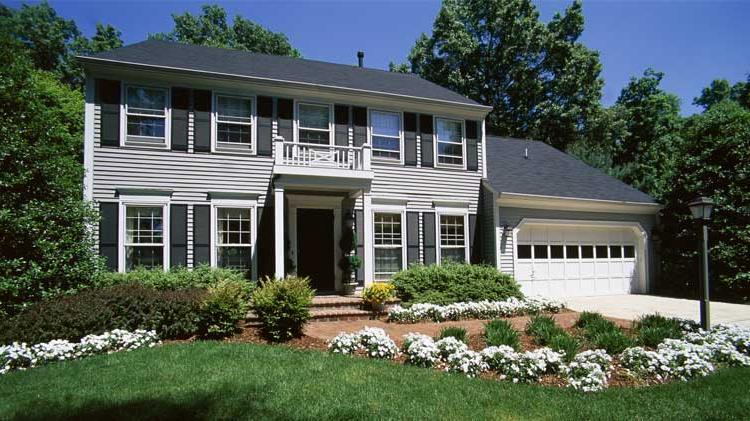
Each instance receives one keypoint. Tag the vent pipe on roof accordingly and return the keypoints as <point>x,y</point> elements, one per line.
<point>361,58</point>
<point>526,153</point>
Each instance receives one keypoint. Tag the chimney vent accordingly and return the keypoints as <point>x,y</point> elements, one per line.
<point>361,58</point>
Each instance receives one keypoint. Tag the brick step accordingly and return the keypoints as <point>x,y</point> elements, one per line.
<point>332,308</point>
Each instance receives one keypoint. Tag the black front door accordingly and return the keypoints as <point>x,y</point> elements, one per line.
<point>315,247</point>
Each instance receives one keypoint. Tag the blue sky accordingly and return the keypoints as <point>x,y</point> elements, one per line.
<point>693,42</point>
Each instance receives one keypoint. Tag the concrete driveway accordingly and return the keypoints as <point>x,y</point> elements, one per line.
<point>635,305</point>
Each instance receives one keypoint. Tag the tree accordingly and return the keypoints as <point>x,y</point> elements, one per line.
<point>210,28</point>
<point>107,38</point>
<point>713,161</point>
<point>45,245</point>
<point>541,82</point>
<point>399,68</point>
<point>720,90</point>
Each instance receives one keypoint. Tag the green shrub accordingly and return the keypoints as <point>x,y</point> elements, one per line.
<point>613,341</point>
<point>454,282</point>
<point>500,332</point>
<point>597,326</point>
<point>202,276</point>
<point>225,303</point>
<point>283,306</point>
<point>542,328</point>
<point>587,317</point>
<point>172,314</point>
<point>652,329</point>
<point>566,344</point>
<point>453,331</point>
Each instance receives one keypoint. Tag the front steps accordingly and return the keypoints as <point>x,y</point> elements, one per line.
<point>333,308</point>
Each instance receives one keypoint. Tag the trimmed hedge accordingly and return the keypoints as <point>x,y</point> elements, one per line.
<point>454,282</point>
<point>202,276</point>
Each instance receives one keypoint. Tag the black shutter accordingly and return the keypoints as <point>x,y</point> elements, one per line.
<point>426,132</point>
<point>285,113</point>
<point>412,238</point>
<point>177,235</point>
<point>430,252</point>
<point>475,239</point>
<point>472,140</point>
<point>341,120</point>
<point>180,107</point>
<point>202,124</point>
<point>201,234</point>
<point>265,242</point>
<point>265,125</point>
<point>359,115</point>
<point>410,139</point>
<point>108,246</point>
<point>108,98</point>
<point>359,217</point>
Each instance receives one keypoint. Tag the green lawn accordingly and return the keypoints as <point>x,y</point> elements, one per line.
<point>244,381</point>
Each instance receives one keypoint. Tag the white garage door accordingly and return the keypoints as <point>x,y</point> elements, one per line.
<point>560,261</point>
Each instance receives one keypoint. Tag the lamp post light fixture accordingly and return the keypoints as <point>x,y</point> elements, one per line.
<point>701,208</point>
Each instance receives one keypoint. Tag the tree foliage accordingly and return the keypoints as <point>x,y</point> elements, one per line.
<point>540,80</point>
<point>720,90</point>
<point>211,28</point>
<point>45,246</point>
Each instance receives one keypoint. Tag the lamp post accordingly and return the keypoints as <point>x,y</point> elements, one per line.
<point>701,208</point>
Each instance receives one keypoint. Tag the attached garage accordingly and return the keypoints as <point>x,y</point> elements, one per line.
<point>570,259</point>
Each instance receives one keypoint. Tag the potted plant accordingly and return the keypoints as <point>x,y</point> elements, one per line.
<point>351,264</point>
<point>377,294</point>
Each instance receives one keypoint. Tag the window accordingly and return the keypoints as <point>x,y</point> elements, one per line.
<point>571,252</point>
<point>146,114</point>
<point>234,121</point>
<point>233,238</point>
<point>314,122</point>
<point>629,252</point>
<point>452,238</point>
<point>386,135</point>
<point>587,252</point>
<point>388,245</point>
<point>601,252</point>
<point>450,145</point>
<point>540,252</point>
<point>524,251</point>
<point>556,252</point>
<point>615,252</point>
<point>144,237</point>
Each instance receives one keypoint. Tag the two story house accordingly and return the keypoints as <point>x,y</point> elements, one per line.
<point>197,155</point>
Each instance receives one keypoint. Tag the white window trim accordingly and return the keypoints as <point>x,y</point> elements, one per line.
<point>245,204</point>
<point>401,210</point>
<point>135,201</point>
<point>371,134</point>
<point>467,236</point>
<point>229,147</point>
<point>297,126</point>
<point>438,164</point>
<point>124,117</point>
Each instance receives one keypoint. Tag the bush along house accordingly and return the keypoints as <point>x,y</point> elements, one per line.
<point>276,165</point>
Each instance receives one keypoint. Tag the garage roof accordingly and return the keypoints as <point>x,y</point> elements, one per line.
<point>167,54</point>
<point>550,172</point>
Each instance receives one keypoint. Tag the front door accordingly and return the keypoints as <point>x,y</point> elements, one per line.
<point>315,247</point>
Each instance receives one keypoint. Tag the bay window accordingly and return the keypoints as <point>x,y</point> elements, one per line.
<point>386,135</point>
<point>314,124</point>
<point>452,238</point>
<point>234,121</point>
<point>144,237</point>
<point>450,144</point>
<point>146,114</point>
<point>388,245</point>
<point>234,238</point>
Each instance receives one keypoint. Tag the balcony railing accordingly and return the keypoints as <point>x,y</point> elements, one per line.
<point>322,156</point>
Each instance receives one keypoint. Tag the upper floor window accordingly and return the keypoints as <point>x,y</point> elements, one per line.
<point>314,124</point>
<point>386,135</point>
<point>146,114</point>
<point>233,238</point>
<point>144,237</point>
<point>452,238</point>
<point>234,121</point>
<point>450,144</point>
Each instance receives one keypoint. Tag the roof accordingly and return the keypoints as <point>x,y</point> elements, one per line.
<point>550,172</point>
<point>167,54</point>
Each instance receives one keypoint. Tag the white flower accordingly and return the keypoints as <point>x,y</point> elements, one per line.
<point>473,310</point>
<point>450,345</point>
<point>422,351</point>
<point>344,343</point>
<point>373,340</point>
<point>468,362</point>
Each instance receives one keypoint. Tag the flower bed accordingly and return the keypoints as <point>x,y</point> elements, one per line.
<point>473,310</point>
<point>698,354</point>
<point>20,356</point>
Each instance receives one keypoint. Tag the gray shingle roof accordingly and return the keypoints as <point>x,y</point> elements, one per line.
<point>243,63</point>
<point>550,172</point>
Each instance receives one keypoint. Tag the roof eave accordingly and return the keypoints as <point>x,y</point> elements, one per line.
<point>95,60</point>
<point>534,201</point>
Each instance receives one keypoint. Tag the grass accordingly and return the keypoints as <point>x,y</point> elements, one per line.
<point>209,380</point>
<point>500,332</point>
<point>453,331</point>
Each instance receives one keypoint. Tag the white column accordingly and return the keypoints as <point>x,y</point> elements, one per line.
<point>88,142</point>
<point>279,255</point>
<point>368,240</point>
